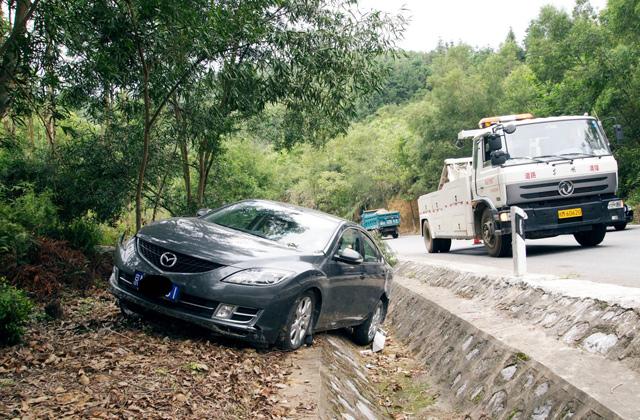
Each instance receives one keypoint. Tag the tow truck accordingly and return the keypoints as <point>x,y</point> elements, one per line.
<point>559,170</point>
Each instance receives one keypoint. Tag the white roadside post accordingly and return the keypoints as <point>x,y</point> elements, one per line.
<point>518,216</point>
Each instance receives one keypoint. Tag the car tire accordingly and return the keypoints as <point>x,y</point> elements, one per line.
<point>434,245</point>
<point>620,226</point>
<point>395,235</point>
<point>299,323</point>
<point>591,237</point>
<point>128,311</point>
<point>497,245</point>
<point>364,333</point>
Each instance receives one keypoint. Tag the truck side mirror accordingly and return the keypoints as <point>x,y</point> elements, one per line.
<point>617,129</point>
<point>509,128</point>
<point>498,157</point>
<point>495,142</point>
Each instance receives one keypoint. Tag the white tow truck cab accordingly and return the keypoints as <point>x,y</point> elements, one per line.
<point>559,170</point>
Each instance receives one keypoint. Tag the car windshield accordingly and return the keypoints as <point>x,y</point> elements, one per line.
<point>295,228</point>
<point>557,139</point>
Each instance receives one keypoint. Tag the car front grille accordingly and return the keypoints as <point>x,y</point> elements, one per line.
<point>184,264</point>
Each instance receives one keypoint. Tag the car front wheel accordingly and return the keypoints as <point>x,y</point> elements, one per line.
<point>364,333</point>
<point>299,322</point>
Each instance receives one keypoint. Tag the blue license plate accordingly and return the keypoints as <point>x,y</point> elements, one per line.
<point>137,278</point>
<point>174,294</point>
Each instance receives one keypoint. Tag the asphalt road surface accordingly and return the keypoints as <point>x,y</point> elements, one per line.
<point>616,260</point>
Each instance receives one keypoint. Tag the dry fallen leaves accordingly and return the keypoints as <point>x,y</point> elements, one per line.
<point>95,364</point>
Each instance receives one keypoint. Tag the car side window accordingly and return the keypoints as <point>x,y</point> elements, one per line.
<point>370,252</point>
<point>350,239</point>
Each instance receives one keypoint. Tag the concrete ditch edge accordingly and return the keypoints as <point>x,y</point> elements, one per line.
<point>597,326</point>
<point>491,367</point>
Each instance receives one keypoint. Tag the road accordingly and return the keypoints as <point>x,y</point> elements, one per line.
<point>615,261</point>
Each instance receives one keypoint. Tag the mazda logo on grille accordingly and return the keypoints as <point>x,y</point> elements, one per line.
<point>565,188</point>
<point>168,259</point>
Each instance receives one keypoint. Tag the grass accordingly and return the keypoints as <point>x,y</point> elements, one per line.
<point>407,394</point>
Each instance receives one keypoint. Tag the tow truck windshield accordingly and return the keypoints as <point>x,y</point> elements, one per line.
<point>557,140</point>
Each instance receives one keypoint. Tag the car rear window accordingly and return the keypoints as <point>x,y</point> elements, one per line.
<point>295,228</point>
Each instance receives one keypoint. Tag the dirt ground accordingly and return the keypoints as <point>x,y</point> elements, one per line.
<point>94,363</point>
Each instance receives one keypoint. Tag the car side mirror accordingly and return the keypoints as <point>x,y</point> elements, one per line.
<point>617,129</point>
<point>499,157</point>
<point>495,142</point>
<point>349,256</point>
<point>202,212</point>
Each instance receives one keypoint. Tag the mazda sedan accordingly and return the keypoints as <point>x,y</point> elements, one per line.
<point>262,271</point>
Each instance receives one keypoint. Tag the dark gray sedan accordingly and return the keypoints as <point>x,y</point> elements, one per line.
<point>266,272</point>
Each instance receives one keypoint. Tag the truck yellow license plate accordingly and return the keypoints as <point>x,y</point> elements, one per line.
<point>569,213</point>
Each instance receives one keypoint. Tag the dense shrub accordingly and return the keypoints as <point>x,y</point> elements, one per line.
<point>82,233</point>
<point>15,307</point>
<point>52,266</point>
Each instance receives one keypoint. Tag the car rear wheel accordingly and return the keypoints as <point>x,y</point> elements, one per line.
<point>299,322</point>
<point>496,245</point>
<point>591,237</point>
<point>620,226</point>
<point>434,245</point>
<point>364,333</point>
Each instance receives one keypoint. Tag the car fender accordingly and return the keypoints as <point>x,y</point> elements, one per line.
<point>317,281</point>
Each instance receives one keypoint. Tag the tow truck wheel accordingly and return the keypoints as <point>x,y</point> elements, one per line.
<point>496,245</point>
<point>591,237</point>
<point>434,245</point>
<point>620,226</point>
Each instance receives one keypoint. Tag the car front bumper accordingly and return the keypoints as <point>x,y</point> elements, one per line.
<point>267,311</point>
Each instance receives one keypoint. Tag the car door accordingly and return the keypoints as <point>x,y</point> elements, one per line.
<point>343,279</point>
<point>375,271</point>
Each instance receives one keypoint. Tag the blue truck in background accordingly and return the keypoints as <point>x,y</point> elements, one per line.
<point>380,220</point>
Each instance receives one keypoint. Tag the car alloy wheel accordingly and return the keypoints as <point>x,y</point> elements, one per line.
<point>301,322</point>
<point>375,321</point>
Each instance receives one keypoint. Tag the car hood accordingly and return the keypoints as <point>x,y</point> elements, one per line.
<point>213,242</point>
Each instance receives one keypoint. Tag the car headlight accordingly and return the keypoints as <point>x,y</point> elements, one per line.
<point>258,276</point>
<point>615,204</point>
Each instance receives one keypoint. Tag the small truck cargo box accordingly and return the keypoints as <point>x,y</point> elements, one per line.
<point>381,220</point>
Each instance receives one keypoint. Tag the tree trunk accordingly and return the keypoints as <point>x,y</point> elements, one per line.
<point>202,175</point>
<point>30,133</point>
<point>145,140</point>
<point>10,51</point>
<point>184,154</point>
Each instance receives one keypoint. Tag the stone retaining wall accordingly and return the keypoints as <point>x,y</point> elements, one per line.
<point>479,374</point>
<point>593,325</point>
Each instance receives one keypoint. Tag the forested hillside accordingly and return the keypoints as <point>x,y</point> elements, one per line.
<point>569,63</point>
<point>112,118</point>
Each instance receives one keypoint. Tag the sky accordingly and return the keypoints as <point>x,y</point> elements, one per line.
<point>479,23</point>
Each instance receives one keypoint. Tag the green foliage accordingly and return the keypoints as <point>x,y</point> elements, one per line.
<point>388,253</point>
<point>15,308</point>
<point>83,234</point>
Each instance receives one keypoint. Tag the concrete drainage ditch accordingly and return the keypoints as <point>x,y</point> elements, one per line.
<point>485,359</point>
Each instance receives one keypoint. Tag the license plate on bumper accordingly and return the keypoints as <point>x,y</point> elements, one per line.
<point>569,213</point>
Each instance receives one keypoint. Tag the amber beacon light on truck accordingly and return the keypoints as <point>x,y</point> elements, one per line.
<point>489,121</point>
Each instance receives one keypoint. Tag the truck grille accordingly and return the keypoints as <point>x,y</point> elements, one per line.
<point>548,190</point>
<point>184,263</point>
